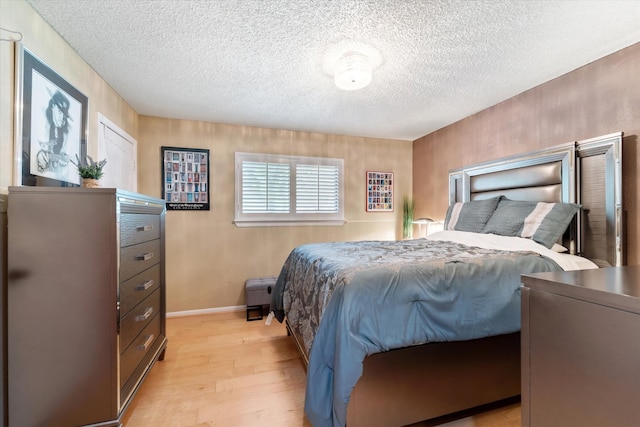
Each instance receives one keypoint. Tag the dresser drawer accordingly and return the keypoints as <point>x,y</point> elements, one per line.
<point>138,288</point>
<point>143,343</point>
<point>138,318</point>
<point>137,258</point>
<point>138,228</point>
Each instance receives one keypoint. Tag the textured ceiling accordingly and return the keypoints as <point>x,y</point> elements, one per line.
<point>265,63</point>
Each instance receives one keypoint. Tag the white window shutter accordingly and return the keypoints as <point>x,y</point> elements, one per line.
<point>288,190</point>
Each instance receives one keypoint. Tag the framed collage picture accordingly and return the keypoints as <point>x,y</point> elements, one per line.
<point>51,124</point>
<point>185,178</point>
<point>379,191</point>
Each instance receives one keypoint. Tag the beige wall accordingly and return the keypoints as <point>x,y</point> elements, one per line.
<point>209,258</point>
<point>600,98</point>
<point>46,44</point>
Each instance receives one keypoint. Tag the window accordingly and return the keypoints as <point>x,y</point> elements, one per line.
<point>288,190</point>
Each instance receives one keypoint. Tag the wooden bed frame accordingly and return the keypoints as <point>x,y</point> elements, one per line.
<point>413,384</point>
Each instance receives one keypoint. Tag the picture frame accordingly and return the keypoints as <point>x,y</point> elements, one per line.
<point>185,178</point>
<point>51,124</point>
<point>379,191</point>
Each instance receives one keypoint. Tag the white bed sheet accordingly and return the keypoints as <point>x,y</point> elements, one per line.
<point>492,241</point>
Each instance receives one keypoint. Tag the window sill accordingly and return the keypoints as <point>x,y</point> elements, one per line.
<point>249,223</point>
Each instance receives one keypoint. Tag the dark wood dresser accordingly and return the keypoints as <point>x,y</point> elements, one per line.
<point>86,302</point>
<point>581,348</point>
<point>3,309</point>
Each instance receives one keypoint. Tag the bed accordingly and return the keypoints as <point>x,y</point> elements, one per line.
<point>399,332</point>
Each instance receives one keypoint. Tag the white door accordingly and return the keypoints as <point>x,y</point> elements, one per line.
<point>120,150</point>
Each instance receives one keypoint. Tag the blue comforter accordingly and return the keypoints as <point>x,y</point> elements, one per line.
<point>348,300</point>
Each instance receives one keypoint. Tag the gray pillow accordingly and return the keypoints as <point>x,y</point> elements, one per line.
<point>470,216</point>
<point>508,218</point>
<point>540,221</point>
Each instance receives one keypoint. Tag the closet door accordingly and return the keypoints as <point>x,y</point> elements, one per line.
<point>120,150</point>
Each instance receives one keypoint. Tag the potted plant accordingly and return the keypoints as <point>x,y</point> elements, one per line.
<point>408,211</point>
<point>89,170</point>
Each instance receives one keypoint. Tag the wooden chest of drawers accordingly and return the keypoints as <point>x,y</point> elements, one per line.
<point>86,301</point>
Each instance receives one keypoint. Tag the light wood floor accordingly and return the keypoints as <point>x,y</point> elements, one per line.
<point>220,370</point>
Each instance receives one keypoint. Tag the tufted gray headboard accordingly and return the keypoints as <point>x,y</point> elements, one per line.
<point>587,172</point>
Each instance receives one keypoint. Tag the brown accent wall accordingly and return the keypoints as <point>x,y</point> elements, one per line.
<point>597,99</point>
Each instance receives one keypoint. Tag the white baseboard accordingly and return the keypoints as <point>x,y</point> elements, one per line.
<point>207,311</point>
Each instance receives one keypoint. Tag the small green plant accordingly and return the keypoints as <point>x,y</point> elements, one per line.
<point>88,168</point>
<point>408,211</point>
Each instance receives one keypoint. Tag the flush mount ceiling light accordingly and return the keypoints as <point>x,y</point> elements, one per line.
<point>353,71</point>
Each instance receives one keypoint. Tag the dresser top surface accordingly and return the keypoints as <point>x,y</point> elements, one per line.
<point>81,190</point>
<point>128,201</point>
<point>616,286</point>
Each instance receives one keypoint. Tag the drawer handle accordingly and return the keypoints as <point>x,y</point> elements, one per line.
<point>145,228</point>
<point>144,316</point>
<point>147,343</point>
<point>145,257</point>
<point>146,285</point>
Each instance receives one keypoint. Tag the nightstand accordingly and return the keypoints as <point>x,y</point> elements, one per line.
<point>580,344</point>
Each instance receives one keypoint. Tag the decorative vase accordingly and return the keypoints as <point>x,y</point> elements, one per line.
<point>90,183</point>
<point>408,212</point>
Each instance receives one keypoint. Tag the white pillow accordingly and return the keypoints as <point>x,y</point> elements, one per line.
<point>559,248</point>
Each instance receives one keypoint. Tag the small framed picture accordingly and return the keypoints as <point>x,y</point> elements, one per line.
<point>185,178</point>
<point>379,191</point>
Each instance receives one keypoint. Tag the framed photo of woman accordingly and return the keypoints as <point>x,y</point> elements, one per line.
<point>51,124</point>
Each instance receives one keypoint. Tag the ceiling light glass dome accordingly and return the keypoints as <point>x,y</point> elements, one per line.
<point>353,71</point>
